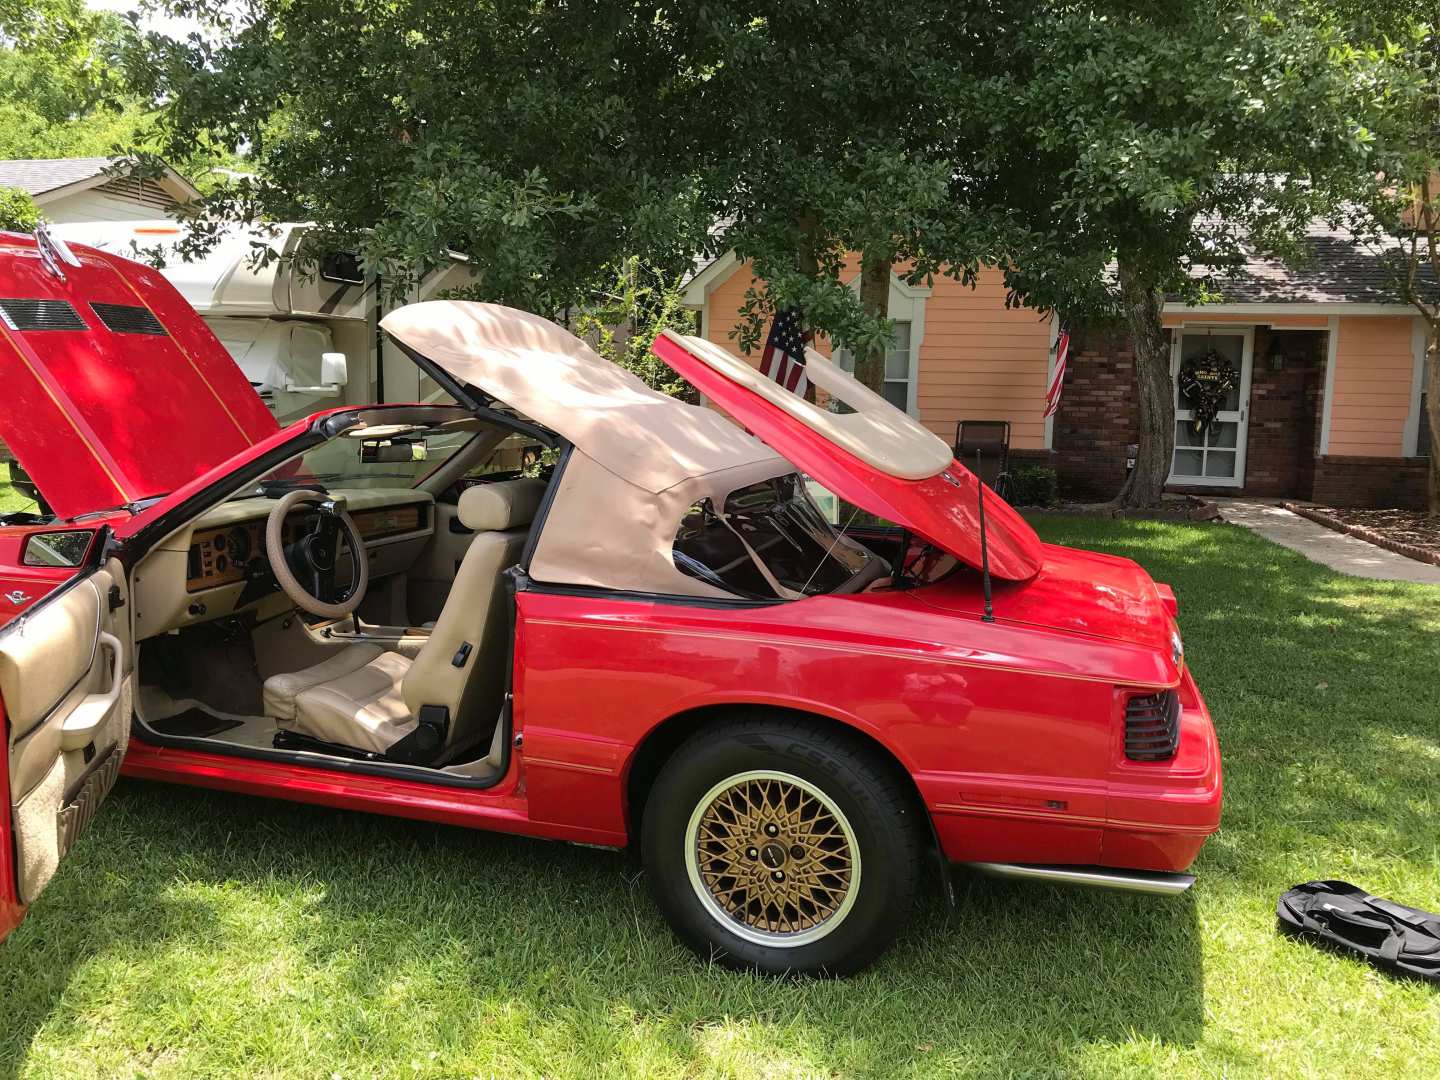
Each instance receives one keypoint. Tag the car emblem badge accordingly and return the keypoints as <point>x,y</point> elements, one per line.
<point>17,597</point>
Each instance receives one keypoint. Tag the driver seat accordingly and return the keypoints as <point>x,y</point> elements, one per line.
<point>448,698</point>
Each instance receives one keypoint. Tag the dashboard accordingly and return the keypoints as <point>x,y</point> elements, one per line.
<point>199,573</point>
<point>219,556</point>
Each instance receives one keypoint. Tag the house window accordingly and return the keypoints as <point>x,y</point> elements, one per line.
<point>898,367</point>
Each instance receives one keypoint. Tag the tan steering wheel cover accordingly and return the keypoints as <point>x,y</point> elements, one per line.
<point>275,551</point>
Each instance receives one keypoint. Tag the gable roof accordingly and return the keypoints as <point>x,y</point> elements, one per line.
<point>1339,270</point>
<point>46,179</point>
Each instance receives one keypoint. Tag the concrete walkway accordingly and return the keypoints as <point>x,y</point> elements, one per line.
<point>1339,551</point>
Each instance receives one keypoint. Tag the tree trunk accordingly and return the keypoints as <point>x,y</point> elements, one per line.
<point>1144,304</point>
<point>875,299</point>
<point>1432,411</point>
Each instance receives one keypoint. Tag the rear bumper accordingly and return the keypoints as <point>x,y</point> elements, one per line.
<point>1152,817</point>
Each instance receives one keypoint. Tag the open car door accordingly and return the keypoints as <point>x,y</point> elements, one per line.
<point>65,705</point>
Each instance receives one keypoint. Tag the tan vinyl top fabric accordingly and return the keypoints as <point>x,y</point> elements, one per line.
<point>877,432</point>
<point>640,459</point>
<point>547,373</point>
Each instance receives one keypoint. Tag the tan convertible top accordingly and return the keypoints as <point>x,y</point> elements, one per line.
<point>640,459</point>
<point>545,372</point>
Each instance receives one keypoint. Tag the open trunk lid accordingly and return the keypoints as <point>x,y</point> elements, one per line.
<point>876,457</point>
<point>115,390</point>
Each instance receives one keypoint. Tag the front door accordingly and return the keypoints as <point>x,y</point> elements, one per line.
<point>65,696</point>
<point>1214,455</point>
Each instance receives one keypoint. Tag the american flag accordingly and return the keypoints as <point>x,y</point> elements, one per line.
<point>784,357</point>
<point>1057,377</point>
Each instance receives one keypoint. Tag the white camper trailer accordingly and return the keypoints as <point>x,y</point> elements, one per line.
<point>306,339</point>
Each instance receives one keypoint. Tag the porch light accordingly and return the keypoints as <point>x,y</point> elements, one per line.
<point>1276,355</point>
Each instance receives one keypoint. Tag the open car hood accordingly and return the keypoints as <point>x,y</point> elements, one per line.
<point>877,457</point>
<point>115,390</point>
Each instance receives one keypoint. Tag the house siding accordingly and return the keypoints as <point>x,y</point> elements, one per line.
<point>983,361</point>
<point>1372,387</point>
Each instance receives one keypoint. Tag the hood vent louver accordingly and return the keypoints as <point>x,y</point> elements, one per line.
<point>128,319</point>
<point>41,315</point>
<point>1152,726</point>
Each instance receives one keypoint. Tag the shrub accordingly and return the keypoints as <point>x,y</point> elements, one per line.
<point>1032,485</point>
<point>18,212</point>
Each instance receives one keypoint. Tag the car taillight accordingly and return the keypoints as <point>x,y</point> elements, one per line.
<point>1167,598</point>
<point>1152,726</point>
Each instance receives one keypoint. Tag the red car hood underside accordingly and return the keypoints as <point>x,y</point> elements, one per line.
<point>98,417</point>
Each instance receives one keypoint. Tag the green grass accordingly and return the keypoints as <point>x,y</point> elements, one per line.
<point>201,934</point>
<point>10,499</point>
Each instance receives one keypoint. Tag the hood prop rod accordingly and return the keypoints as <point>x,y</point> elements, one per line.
<point>989,615</point>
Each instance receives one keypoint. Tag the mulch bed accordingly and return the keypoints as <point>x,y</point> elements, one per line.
<point>1171,508</point>
<point>1411,533</point>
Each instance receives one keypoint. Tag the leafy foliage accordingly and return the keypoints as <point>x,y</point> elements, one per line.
<point>62,89</point>
<point>18,212</point>
<point>1032,485</point>
<point>513,132</point>
<point>625,316</point>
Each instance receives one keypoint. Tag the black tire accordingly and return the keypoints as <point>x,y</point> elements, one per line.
<point>878,812</point>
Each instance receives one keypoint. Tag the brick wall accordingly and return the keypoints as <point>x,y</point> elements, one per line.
<point>1098,417</point>
<point>1370,482</point>
<point>1283,434</point>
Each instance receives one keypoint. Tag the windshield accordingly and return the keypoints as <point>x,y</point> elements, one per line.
<point>381,455</point>
<point>768,540</point>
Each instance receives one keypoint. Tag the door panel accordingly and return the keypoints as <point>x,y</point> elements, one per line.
<point>1215,456</point>
<point>65,684</point>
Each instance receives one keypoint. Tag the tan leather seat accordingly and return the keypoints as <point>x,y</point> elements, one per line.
<point>370,699</point>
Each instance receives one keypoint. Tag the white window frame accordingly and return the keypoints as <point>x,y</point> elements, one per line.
<point>907,304</point>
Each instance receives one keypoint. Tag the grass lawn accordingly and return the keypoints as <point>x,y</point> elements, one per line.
<point>202,934</point>
<point>10,499</point>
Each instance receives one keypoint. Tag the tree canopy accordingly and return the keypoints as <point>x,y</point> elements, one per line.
<point>62,85</point>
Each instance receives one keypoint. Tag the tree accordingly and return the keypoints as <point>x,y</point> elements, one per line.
<point>834,150</point>
<point>62,90</point>
<point>510,131</point>
<point>1144,149</point>
<point>1396,209</point>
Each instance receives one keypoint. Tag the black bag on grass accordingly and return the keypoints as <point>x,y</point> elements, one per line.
<point>1402,939</point>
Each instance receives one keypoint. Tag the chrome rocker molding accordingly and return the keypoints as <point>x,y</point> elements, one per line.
<point>1099,877</point>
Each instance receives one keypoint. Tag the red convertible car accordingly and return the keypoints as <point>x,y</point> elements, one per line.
<point>570,607</point>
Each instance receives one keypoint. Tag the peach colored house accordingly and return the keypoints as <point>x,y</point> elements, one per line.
<point>1329,404</point>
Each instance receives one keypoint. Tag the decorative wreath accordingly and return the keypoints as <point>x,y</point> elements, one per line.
<point>1205,382</point>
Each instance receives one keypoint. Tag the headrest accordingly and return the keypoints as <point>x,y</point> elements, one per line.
<point>505,504</point>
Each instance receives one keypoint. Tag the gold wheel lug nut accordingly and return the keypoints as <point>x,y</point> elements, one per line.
<point>796,851</point>
<point>772,829</point>
<point>779,875</point>
<point>753,853</point>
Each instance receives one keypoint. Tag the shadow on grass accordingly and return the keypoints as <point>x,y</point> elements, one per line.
<point>369,930</point>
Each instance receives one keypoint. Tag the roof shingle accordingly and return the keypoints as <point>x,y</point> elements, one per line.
<point>35,176</point>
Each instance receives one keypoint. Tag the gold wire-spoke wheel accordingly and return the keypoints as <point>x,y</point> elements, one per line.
<point>772,858</point>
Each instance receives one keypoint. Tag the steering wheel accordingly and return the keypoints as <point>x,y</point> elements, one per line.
<point>305,568</point>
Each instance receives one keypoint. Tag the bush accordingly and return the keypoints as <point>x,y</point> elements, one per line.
<point>18,212</point>
<point>1032,485</point>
